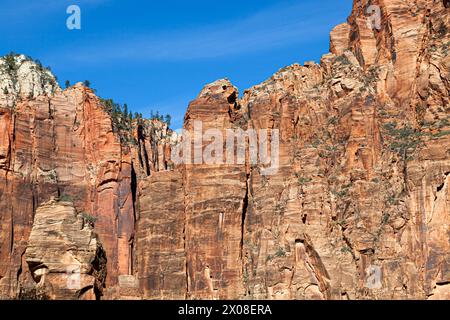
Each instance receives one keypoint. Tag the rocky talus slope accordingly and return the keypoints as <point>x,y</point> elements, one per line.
<point>363,180</point>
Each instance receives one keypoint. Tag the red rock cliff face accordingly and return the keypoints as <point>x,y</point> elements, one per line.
<point>63,146</point>
<point>362,183</point>
<point>358,208</point>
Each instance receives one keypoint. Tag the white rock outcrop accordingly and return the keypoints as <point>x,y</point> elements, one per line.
<point>22,77</point>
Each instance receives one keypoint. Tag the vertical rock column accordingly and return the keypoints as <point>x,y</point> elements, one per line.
<point>215,201</point>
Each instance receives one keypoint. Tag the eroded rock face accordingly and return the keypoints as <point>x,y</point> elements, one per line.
<point>215,196</point>
<point>64,146</point>
<point>161,254</point>
<point>21,77</point>
<point>64,257</point>
<point>358,208</point>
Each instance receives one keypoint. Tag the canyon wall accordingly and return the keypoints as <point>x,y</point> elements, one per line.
<point>62,145</point>
<point>361,191</point>
<point>362,184</point>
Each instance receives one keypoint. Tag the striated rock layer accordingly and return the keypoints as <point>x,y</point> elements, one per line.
<point>62,145</point>
<point>358,208</point>
<point>63,255</point>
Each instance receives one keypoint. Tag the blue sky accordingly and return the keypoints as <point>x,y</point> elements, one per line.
<point>159,54</point>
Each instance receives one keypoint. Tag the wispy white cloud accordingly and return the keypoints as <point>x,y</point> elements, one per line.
<point>264,30</point>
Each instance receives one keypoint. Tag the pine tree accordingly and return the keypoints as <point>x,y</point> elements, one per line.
<point>125,111</point>
<point>168,119</point>
<point>67,84</point>
<point>87,83</point>
<point>10,61</point>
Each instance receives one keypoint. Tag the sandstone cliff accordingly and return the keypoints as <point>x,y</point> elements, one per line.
<point>64,257</point>
<point>62,144</point>
<point>363,179</point>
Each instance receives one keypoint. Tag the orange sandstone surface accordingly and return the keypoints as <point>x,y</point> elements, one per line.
<point>363,182</point>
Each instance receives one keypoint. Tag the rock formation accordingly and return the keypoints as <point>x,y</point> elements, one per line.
<point>62,144</point>
<point>358,208</point>
<point>63,256</point>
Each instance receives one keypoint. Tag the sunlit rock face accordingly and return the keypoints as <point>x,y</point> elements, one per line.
<point>22,77</point>
<point>357,209</point>
<point>64,256</point>
<point>63,145</point>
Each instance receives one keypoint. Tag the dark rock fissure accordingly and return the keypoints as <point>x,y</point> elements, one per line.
<point>133,186</point>
<point>244,216</point>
